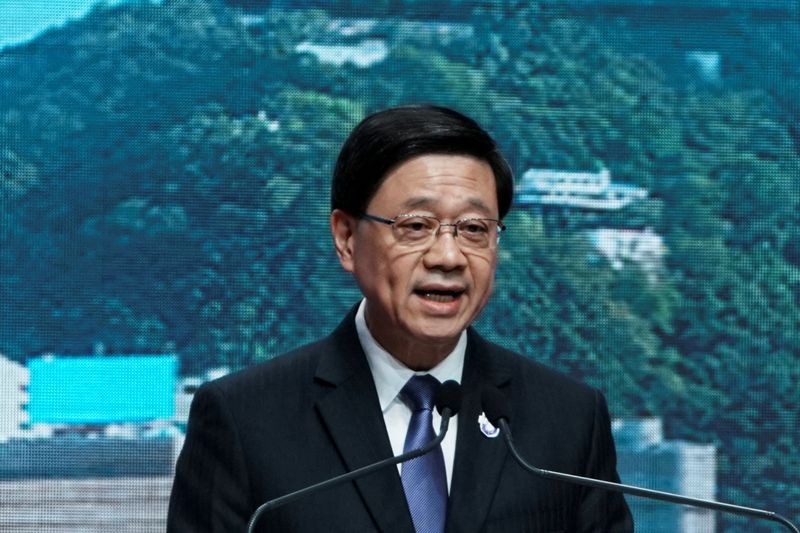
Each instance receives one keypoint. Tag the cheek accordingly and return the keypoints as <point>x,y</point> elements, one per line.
<point>400,271</point>
<point>483,277</point>
<point>483,269</point>
<point>382,270</point>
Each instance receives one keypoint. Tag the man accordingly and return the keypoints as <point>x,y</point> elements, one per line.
<point>418,196</point>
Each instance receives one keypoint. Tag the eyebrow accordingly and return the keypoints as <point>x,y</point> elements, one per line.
<point>417,202</point>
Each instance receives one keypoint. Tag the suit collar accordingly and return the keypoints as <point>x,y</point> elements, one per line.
<point>390,375</point>
<point>479,459</point>
<point>341,355</point>
<point>351,413</point>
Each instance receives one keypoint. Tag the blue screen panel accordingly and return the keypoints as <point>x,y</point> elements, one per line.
<point>101,390</point>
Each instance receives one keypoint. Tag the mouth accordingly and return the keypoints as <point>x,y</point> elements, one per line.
<point>439,295</point>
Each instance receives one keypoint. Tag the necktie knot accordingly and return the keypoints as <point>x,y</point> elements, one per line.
<point>419,392</point>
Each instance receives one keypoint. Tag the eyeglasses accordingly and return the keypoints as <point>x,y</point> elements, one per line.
<point>421,230</point>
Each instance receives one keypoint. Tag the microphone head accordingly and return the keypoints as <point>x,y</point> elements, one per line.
<point>448,395</point>
<point>495,405</point>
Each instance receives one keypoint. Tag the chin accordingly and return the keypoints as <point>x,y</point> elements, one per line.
<point>439,335</point>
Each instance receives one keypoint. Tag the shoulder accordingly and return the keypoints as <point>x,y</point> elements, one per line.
<point>276,376</point>
<point>548,406</point>
<point>247,406</point>
<point>530,374</point>
<point>535,386</point>
<point>296,379</point>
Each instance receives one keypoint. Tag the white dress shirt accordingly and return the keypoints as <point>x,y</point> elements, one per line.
<point>390,376</point>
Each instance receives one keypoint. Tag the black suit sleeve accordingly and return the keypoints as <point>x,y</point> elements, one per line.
<point>211,488</point>
<point>601,510</point>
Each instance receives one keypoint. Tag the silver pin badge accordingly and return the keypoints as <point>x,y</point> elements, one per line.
<point>486,427</point>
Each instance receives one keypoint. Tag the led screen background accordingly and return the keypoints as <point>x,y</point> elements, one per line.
<point>165,171</point>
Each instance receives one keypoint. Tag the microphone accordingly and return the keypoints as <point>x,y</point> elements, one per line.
<point>447,401</point>
<point>498,411</point>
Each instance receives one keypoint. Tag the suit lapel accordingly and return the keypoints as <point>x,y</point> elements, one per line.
<point>351,413</point>
<point>479,459</point>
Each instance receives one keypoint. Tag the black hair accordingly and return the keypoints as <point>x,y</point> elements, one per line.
<point>388,138</point>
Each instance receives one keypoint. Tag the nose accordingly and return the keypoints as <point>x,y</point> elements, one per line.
<point>445,253</point>
<point>443,225</point>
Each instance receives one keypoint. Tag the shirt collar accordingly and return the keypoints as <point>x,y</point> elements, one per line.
<point>390,375</point>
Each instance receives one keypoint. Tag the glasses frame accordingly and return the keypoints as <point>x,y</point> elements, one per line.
<point>392,221</point>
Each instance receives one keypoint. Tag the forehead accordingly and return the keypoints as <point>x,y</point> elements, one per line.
<point>439,181</point>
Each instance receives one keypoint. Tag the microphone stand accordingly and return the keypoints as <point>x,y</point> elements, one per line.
<point>639,491</point>
<point>446,413</point>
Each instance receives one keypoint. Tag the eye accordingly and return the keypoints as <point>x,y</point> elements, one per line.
<point>415,227</point>
<point>473,227</point>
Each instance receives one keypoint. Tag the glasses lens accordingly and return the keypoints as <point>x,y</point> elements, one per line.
<point>415,229</point>
<point>476,232</point>
<point>471,233</point>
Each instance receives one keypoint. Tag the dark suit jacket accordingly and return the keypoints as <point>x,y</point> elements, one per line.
<point>314,413</point>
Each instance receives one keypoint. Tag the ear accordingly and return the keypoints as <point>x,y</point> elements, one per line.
<point>343,227</point>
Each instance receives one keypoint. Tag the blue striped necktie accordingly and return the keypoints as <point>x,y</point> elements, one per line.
<point>424,478</point>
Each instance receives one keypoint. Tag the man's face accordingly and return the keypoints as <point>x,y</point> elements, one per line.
<point>420,299</point>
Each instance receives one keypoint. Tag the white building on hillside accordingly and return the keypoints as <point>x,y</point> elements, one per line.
<point>620,246</point>
<point>580,190</point>
<point>363,54</point>
<point>14,379</point>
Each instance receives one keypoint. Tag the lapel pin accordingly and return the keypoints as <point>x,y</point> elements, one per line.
<point>487,428</point>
